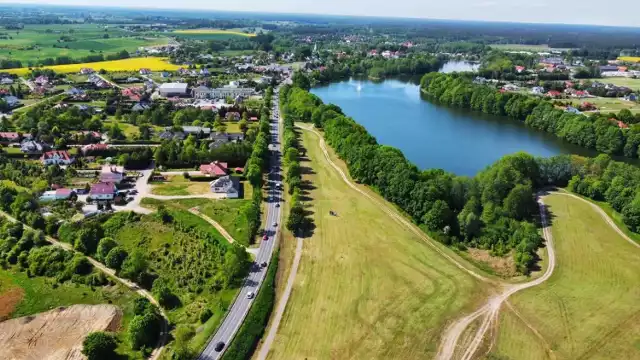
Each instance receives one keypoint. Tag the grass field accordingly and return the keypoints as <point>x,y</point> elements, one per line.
<point>217,34</point>
<point>225,212</point>
<point>621,81</point>
<point>131,64</point>
<point>367,287</point>
<point>606,105</point>
<point>588,309</point>
<point>178,185</point>
<point>37,42</point>
<point>524,47</point>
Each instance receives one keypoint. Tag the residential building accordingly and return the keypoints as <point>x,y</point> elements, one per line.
<point>102,191</point>
<point>216,168</point>
<point>113,176</point>
<point>32,147</point>
<point>58,157</point>
<point>219,139</point>
<point>553,93</point>
<point>605,68</point>
<point>201,92</point>
<point>631,97</point>
<point>571,109</point>
<point>228,185</point>
<point>141,106</point>
<point>145,71</point>
<point>479,80</point>
<point>41,80</point>
<point>233,116</point>
<point>93,148</point>
<point>6,81</point>
<point>510,87</point>
<point>12,101</point>
<point>231,90</point>
<point>173,89</point>
<point>86,71</point>
<point>165,75</point>
<point>520,69</point>
<point>9,137</point>
<point>537,90</point>
<point>59,194</point>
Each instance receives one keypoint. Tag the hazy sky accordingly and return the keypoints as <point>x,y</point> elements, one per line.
<point>623,13</point>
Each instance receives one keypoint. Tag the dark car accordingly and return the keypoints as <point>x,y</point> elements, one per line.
<point>264,264</point>
<point>219,346</point>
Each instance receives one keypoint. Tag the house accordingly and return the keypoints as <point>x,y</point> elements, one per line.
<point>172,135</point>
<point>233,116</point>
<point>93,147</point>
<point>204,72</point>
<point>622,125</point>
<point>102,191</point>
<point>553,94</point>
<point>228,185</point>
<point>12,101</point>
<point>165,75</point>
<point>173,89</point>
<point>6,81</point>
<point>216,168</point>
<point>219,139</point>
<point>537,90</point>
<point>132,79</point>
<point>59,194</point>
<point>631,97</point>
<point>41,80</point>
<point>231,90</point>
<point>201,92</point>
<point>553,61</point>
<point>605,68</point>
<point>9,137</point>
<point>32,147</point>
<point>86,71</point>
<point>145,71</point>
<point>58,157</point>
<point>479,80</point>
<point>571,109</point>
<point>510,87</point>
<point>141,106</point>
<point>520,69</point>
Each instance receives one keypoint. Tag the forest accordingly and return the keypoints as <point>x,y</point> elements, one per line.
<point>597,131</point>
<point>495,210</point>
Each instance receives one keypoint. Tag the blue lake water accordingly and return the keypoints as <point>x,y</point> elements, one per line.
<point>435,136</point>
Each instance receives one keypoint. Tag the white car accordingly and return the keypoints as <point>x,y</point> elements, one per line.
<point>250,295</point>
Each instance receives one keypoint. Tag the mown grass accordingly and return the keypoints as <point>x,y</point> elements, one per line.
<point>178,185</point>
<point>609,104</point>
<point>589,306</point>
<point>131,64</point>
<point>367,287</point>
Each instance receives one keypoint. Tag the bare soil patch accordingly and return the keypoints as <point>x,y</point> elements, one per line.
<point>8,301</point>
<point>503,266</point>
<point>55,334</point>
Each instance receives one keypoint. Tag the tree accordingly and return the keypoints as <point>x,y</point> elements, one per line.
<point>115,258</point>
<point>438,217</point>
<point>631,215</point>
<point>134,265</point>
<point>242,124</point>
<point>520,202</point>
<point>104,246</point>
<point>99,346</point>
<point>236,264</point>
<point>164,295</point>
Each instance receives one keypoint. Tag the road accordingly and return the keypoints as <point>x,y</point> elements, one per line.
<point>235,316</point>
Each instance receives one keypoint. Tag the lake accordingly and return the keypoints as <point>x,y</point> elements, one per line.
<point>434,136</point>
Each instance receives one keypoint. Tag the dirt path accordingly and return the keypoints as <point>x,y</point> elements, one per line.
<point>221,230</point>
<point>604,215</point>
<point>112,273</point>
<point>282,304</point>
<point>490,311</point>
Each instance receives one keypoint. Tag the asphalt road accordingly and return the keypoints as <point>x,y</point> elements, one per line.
<point>240,307</point>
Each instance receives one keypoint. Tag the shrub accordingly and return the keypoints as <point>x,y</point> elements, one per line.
<point>99,346</point>
<point>205,315</point>
<point>115,258</point>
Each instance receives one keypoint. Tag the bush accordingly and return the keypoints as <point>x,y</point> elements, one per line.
<point>205,315</point>
<point>99,346</point>
<point>104,246</point>
<point>115,258</point>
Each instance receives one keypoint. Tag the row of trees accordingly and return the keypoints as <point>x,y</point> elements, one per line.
<point>596,131</point>
<point>493,211</point>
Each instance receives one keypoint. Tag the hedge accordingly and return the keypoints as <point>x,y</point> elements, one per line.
<point>247,338</point>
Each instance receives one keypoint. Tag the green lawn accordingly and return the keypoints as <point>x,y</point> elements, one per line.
<point>621,81</point>
<point>36,42</point>
<point>367,287</point>
<point>178,185</point>
<point>589,306</point>
<point>609,104</point>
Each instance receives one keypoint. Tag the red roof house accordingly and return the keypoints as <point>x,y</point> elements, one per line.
<point>216,168</point>
<point>94,147</point>
<point>553,93</point>
<point>520,69</point>
<point>59,157</point>
<point>10,136</point>
<point>622,125</point>
<point>102,191</point>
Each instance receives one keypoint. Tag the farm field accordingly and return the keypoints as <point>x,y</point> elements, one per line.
<point>367,287</point>
<point>630,58</point>
<point>588,308</point>
<point>606,105</point>
<point>213,34</point>
<point>39,42</point>
<point>226,212</point>
<point>131,64</point>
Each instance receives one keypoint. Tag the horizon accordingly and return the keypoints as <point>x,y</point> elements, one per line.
<point>188,5</point>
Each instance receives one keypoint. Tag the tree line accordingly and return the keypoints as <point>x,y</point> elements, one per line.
<point>597,131</point>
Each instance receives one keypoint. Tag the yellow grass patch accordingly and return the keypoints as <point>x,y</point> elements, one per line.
<point>131,64</point>
<point>630,58</point>
<point>213,31</point>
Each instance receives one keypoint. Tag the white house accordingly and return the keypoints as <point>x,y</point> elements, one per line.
<point>226,185</point>
<point>538,90</point>
<point>173,89</point>
<point>102,191</point>
<point>58,157</point>
<point>60,194</point>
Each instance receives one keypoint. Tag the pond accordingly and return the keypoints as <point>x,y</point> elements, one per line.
<point>434,136</point>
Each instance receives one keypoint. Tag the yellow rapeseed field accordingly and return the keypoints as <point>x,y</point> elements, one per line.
<point>131,64</point>
<point>213,31</point>
<point>630,58</point>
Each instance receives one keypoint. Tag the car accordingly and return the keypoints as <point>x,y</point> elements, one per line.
<point>251,295</point>
<point>265,237</point>
<point>219,346</point>
<point>264,264</point>
<point>133,192</point>
<point>275,224</point>
<point>277,204</point>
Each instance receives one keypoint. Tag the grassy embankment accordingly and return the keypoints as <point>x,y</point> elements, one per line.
<point>589,307</point>
<point>367,287</point>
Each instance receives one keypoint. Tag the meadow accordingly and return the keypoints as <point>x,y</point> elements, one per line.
<point>606,105</point>
<point>524,47</point>
<point>178,185</point>
<point>588,308</point>
<point>631,83</point>
<point>131,64</point>
<point>367,287</point>
<point>38,42</point>
<point>212,34</point>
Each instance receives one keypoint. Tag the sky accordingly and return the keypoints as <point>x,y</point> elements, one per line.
<point>597,12</point>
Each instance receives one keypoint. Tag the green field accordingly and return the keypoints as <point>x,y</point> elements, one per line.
<point>588,309</point>
<point>367,287</point>
<point>178,185</point>
<point>36,42</point>
<point>631,83</point>
<point>606,105</point>
<point>524,47</point>
<point>213,34</point>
